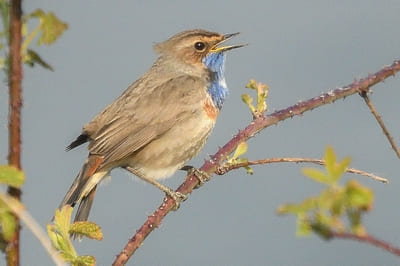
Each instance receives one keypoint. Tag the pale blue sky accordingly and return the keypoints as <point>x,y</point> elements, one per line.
<point>299,48</point>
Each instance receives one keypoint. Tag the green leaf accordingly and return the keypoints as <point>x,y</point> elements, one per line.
<point>240,150</point>
<point>2,63</point>
<point>324,213</point>
<point>262,94</point>
<point>303,226</point>
<point>62,219</point>
<point>61,243</point>
<point>316,175</point>
<point>51,27</point>
<point>59,233</point>
<point>340,168</point>
<point>359,230</point>
<point>355,222</point>
<point>252,84</point>
<point>38,13</point>
<point>358,196</point>
<point>24,29</point>
<point>331,200</point>
<point>88,229</point>
<point>53,235</point>
<point>287,208</point>
<point>9,208</point>
<point>8,224</point>
<point>84,261</point>
<point>334,170</point>
<point>11,176</point>
<point>248,100</point>
<point>325,199</point>
<point>5,15</point>
<point>298,209</point>
<point>31,58</point>
<point>330,160</point>
<point>249,170</point>
<point>322,230</point>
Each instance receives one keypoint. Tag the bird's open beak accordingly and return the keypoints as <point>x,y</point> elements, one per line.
<point>227,37</point>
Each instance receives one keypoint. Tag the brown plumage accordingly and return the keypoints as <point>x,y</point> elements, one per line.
<point>159,123</point>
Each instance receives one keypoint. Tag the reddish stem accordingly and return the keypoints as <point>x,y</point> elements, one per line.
<point>369,240</point>
<point>15,91</point>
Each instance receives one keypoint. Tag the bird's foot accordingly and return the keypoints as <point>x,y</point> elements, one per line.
<point>201,175</point>
<point>178,197</point>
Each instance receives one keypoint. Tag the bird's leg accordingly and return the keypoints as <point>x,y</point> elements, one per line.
<point>201,175</point>
<point>177,196</point>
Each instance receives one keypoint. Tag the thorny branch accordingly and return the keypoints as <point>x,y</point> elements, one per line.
<point>258,124</point>
<point>228,167</point>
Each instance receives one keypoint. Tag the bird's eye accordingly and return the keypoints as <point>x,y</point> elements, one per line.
<point>199,46</point>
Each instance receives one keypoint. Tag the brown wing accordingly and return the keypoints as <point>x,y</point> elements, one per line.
<point>132,124</point>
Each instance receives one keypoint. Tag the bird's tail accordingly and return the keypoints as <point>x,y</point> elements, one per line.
<point>83,189</point>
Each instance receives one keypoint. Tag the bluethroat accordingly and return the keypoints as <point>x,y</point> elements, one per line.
<point>159,122</point>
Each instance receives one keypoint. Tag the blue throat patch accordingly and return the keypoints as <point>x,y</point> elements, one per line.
<point>218,89</point>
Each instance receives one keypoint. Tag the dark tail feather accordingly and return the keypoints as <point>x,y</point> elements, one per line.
<point>75,190</point>
<point>85,205</point>
<point>82,138</point>
<point>83,211</point>
<point>82,189</point>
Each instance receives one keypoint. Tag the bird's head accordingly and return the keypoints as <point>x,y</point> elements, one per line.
<point>195,46</point>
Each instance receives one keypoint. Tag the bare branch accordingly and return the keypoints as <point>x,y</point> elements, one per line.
<point>369,240</point>
<point>380,122</point>
<point>228,167</point>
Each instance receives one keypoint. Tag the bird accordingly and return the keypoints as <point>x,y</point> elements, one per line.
<point>160,122</point>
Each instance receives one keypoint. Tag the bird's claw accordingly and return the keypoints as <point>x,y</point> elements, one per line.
<point>201,175</point>
<point>178,197</point>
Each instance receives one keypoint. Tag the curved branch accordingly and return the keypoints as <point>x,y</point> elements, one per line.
<point>369,240</point>
<point>258,124</point>
<point>228,167</point>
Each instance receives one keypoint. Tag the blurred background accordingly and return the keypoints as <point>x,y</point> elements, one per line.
<point>300,49</point>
